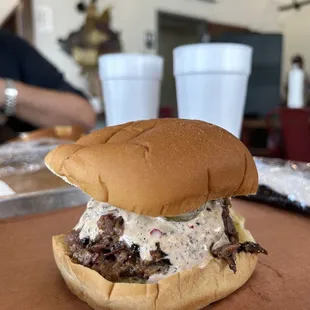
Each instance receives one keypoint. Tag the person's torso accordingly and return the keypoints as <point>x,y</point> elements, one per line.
<point>10,69</point>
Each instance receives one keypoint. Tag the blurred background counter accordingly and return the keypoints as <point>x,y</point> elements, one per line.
<point>72,34</point>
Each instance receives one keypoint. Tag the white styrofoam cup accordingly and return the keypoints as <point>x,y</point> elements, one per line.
<point>131,85</point>
<point>212,81</point>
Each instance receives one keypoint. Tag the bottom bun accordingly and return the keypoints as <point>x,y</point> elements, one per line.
<point>190,289</point>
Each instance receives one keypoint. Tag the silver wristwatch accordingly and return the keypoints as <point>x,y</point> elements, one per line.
<point>10,98</point>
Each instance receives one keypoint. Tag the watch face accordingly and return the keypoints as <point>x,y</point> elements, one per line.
<point>11,92</point>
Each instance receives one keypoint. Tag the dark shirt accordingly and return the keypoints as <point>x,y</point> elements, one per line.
<point>21,62</point>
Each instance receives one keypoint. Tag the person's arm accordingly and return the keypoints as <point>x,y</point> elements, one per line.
<point>45,98</point>
<point>44,107</point>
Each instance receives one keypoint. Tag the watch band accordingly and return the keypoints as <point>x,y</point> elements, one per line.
<point>10,98</point>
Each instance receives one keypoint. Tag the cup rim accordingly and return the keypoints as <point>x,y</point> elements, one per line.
<point>214,45</point>
<point>131,55</point>
<point>212,57</point>
<point>123,65</point>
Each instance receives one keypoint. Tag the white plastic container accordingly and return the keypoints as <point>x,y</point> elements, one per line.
<point>211,81</point>
<point>296,89</point>
<point>131,85</point>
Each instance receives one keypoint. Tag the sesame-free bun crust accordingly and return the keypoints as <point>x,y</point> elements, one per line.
<point>190,289</point>
<point>157,167</point>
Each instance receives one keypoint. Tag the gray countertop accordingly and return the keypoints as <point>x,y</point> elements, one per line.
<point>43,201</point>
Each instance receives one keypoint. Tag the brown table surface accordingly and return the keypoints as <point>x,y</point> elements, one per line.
<point>30,280</point>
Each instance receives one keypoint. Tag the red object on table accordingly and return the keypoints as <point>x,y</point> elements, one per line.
<point>296,133</point>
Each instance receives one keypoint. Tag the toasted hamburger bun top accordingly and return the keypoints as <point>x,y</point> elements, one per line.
<point>162,167</point>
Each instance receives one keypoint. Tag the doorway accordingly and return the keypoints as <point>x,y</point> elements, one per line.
<point>175,30</point>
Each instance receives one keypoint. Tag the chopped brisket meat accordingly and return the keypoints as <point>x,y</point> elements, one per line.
<point>228,252</point>
<point>230,229</point>
<point>252,247</point>
<point>112,258</point>
<point>158,254</point>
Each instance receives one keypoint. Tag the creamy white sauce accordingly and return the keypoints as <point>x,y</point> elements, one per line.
<point>186,243</point>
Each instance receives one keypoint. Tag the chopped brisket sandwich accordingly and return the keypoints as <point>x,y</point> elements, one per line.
<point>159,231</point>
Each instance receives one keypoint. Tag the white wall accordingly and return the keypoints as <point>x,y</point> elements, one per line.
<point>64,20</point>
<point>257,15</point>
<point>296,31</point>
<point>134,17</point>
<point>6,7</point>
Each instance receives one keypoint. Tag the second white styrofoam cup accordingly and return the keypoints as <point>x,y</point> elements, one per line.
<point>212,81</point>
